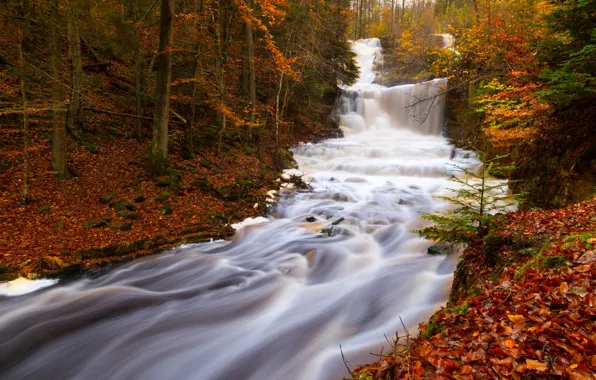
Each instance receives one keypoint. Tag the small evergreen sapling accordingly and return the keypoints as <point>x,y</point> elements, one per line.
<point>478,201</point>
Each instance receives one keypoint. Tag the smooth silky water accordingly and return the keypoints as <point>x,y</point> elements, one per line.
<point>278,300</point>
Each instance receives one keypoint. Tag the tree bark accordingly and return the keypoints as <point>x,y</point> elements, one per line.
<point>220,69</point>
<point>76,76</point>
<point>158,156</point>
<point>58,117</point>
<point>251,69</point>
<point>22,76</point>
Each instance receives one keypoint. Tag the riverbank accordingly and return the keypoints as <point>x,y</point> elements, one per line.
<point>531,314</point>
<point>113,212</point>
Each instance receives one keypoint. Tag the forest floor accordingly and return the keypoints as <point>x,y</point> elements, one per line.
<point>532,315</point>
<point>112,211</point>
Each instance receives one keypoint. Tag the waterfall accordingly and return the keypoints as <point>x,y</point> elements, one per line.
<point>338,265</point>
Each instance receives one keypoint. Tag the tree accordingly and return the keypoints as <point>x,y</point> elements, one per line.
<point>76,73</point>
<point>158,156</point>
<point>478,200</point>
<point>58,117</point>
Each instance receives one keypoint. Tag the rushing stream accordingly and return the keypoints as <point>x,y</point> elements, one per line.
<point>277,300</point>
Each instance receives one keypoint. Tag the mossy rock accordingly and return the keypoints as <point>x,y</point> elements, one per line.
<point>162,196</point>
<point>132,215</point>
<point>203,184</point>
<point>91,148</point>
<point>44,209</point>
<point>107,198</point>
<point>167,209</point>
<point>121,225</point>
<point>206,164</point>
<point>164,182</point>
<point>139,198</point>
<point>95,223</point>
<point>58,225</point>
<point>122,205</point>
<point>228,193</point>
<point>286,159</point>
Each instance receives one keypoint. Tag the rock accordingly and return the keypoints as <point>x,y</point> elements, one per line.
<point>167,209</point>
<point>120,225</point>
<point>311,219</point>
<point>402,202</point>
<point>164,182</point>
<point>588,257</point>
<point>438,249</point>
<point>107,198</point>
<point>139,198</point>
<point>129,215</point>
<point>95,223</point>
<point>286,159</point>
<point>162,196</point>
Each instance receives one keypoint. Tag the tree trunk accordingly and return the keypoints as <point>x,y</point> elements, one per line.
<point>58,117</point>
<point>22,77</point>
<point>158,156</point>
<point>220,69</point>
<point>76,84</point>
<point>278,119</point>
<point>138,57</point>
<point>251,70</point>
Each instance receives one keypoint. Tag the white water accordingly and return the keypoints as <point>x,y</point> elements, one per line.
<point>278,300</point>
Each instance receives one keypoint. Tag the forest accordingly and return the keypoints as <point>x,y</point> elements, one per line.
<point>128,127</point>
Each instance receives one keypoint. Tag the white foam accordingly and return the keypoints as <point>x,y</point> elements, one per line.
<point>22,286</point>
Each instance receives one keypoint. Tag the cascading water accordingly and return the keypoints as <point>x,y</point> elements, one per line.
<point>277,301</point>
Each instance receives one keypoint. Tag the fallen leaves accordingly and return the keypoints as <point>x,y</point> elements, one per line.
<point>539,325</point>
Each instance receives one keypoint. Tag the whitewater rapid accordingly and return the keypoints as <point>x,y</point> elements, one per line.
<point>278,300</point>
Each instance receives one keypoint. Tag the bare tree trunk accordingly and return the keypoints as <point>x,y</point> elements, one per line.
<point>58,117</point>
<point>220,69</point>
<point>392,25</point>
<point>278,119</point>
<point>76,84</point>
<point>22,77</point>
<point>158,156</point>
<point>251,71</point>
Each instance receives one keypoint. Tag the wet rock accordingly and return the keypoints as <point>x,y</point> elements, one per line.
<point>311,219</point>
<point>286,159</point>
<point>438,249</point>
<point>402,202</point>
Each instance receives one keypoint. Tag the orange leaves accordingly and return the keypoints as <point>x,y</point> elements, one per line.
<point>535,365</point>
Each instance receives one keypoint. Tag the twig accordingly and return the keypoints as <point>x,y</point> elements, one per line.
<point>344,360</point>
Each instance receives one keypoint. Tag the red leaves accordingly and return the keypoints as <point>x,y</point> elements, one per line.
<point>539,324</point>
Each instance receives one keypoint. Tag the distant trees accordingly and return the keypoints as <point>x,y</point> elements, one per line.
<point>238,68</point>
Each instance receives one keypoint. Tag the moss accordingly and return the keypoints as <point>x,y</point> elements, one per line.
<point>95,223</point>
<point>432,328</point>
<point>554,261</point>
<point>139,198</point>
<point>163,196</point>
<point>164,182</point>
<point>44,209</point>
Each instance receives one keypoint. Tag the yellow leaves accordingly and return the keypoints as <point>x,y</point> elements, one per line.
<point>536,365</point>
<point>510,343</point>
<point>564,287</point>
<point>519,321</point>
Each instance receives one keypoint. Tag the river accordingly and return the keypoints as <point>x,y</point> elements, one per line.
<point>278,300</point>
